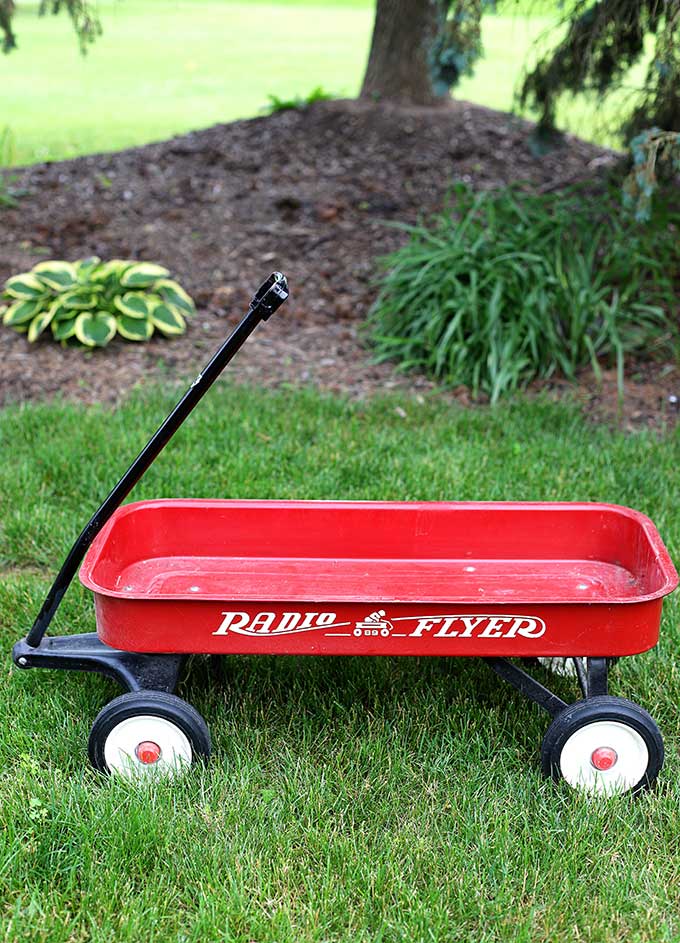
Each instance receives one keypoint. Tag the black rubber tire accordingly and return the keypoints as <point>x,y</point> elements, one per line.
<point>603,707</point>
<point>158,704</point>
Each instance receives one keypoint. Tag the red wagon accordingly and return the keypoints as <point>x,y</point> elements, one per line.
<point>498,581</point>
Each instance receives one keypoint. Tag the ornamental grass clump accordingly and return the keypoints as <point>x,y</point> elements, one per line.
<point>505,287</point>
<point>90,301</point>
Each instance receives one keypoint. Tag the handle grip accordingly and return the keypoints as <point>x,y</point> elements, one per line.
<point>270,296</point>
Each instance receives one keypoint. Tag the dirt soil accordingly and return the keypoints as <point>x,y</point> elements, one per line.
<point>308,193</point>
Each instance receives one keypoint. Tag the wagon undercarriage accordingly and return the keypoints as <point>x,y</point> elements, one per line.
<point>136,671</point>
<point>150,731</point>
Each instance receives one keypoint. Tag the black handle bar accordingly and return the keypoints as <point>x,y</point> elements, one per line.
<point>269,296</point>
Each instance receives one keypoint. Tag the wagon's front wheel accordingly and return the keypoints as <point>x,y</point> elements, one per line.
<point>148,734</point>
<point>603,746</point>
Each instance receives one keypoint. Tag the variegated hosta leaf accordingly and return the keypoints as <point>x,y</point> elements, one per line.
<point>173,294</point>
<point>142,275</point>
<point>57,276</point>
<point>91,300</point>
<point>61,312</point>
<point>80,299</point>
<point>114,267</point>
<point>167,319</point>
<point>21,312</point>
<point>134,329</point>
<point>85,268</point>
<point>62,330</point>
<point>38,324</point>
<point>95,328</point>
<point>133,304</point>
<point>25,286</point>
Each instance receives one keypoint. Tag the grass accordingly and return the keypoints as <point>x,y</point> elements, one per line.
<point>347,799</point>
<point>166,68</point>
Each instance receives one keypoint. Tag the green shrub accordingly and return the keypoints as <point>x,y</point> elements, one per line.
<point>90,301</point>
<point>507,286</point>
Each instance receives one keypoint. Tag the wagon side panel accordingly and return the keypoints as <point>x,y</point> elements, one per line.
<point>331,628</point>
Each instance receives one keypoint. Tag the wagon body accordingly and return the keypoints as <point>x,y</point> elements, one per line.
<point>378,578</point>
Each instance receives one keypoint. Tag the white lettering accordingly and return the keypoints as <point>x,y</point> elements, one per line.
<point>478,626</point>
<point>529,628</point>
<point>446,625</point>
<point>424,625</point>
<point>266,623</point>
<point>288,622</point>
<point>470,624</point>
<point>494,628</point>
<point>230,620</point>
<point>483,627</point>
<point>262,622</point>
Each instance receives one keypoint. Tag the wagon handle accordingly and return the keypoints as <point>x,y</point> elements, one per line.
<point>270,295</point>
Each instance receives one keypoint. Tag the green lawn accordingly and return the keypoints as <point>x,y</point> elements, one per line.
<point>347,799</point>
<point>166,67</point>
<point>163,68</point>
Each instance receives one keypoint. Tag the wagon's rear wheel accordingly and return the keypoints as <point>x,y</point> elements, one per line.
<point>603,746</point>
<point>148,734</point>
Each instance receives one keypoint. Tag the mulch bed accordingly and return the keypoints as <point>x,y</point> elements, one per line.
<point>309,193</point>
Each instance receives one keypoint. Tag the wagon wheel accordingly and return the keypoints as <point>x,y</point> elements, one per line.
<point>603,746</point>
<point>147,734</point>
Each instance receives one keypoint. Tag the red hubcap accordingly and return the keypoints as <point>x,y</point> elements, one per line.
<point>147,752</point>
<point>604,758</point>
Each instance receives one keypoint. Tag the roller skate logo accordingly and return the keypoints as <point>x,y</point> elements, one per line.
<point>375,624</point>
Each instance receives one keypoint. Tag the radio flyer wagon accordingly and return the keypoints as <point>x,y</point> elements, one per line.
<point>498,581</point>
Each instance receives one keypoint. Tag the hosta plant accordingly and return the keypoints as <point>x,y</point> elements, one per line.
<point>90,301</point>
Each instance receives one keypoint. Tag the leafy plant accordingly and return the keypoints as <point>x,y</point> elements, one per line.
<point>298,103</point>
<point>90,301</point>
<point>656,155</point>
<point>506,286</point>
<point>458,43</point>
<point>83,15</point>
<point>594,46</point>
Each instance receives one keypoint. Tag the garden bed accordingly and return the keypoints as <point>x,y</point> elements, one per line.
<point>306,192</point>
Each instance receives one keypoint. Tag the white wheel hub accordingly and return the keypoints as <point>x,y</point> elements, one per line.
<point>604,757</point>
<point>146,746</point>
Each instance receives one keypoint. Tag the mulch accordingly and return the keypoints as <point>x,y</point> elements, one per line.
<point>311,193</point>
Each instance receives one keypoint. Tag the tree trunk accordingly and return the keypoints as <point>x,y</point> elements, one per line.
<point>398,67</point>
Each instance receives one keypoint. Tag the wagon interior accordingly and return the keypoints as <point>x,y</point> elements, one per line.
<point>362,551</point>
